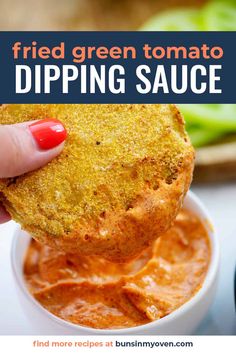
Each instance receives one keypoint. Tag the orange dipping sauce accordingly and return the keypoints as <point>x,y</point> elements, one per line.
<point>93,292</point>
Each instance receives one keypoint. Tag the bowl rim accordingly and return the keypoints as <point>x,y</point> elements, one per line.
<point>187,306</point>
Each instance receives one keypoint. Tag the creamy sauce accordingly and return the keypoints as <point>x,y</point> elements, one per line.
<point>93,292</point>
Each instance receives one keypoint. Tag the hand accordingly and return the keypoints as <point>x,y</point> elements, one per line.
<point>27,146</point>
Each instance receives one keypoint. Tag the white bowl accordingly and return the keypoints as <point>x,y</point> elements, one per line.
<point>184,320</point>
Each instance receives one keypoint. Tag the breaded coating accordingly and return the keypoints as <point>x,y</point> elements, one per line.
<point>118,184</point>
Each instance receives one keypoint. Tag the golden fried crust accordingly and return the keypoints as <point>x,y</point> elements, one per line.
<point>118,184</point>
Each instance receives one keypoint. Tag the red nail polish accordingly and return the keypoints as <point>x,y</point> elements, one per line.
<point>48,133</point>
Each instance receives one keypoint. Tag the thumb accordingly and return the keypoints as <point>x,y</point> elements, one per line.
<point>27,146</point>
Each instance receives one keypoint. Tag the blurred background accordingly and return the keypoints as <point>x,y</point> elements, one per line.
<point>82,14</point>
<point>212,127</point>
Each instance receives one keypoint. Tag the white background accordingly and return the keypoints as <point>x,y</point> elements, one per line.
<point>221,319</point>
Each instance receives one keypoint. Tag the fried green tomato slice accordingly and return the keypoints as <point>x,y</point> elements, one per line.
<point>118,184</point>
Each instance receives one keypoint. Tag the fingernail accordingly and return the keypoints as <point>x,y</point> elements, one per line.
<point>48,133</point>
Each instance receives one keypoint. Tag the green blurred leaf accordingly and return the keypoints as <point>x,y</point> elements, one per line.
<point>218,117</point>
<point>175,20</point>
<point>219,16</point>
<point>200,137</point>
